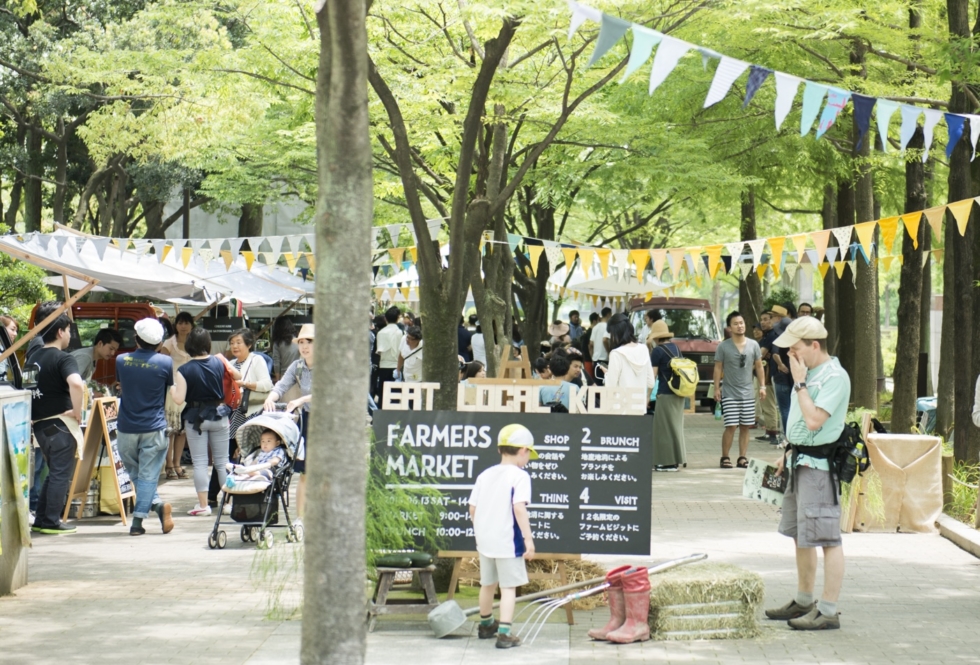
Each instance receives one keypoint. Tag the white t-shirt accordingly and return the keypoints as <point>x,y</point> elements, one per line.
<point>598,348</point>
<point>412,365</point>
<point>497,489</point>
<point>479,348</point>
<point>388,342</point>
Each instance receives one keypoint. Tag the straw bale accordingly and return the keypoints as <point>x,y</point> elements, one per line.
<point>576,571</point>
<point>705,601</point>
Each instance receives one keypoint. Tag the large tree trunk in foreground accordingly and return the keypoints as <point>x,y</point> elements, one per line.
<point>334,604</point>
<point>909,300</point>
<point>32,184</point>
<point>867,335</point>
<point>250,222</point>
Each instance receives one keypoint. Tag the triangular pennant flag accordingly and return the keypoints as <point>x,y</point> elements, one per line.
<point>813,94</point>
<point>808,270</point>
<point>534,256</point>
<point>775,272</point>
<point>295,242</point>
<point>865,232</point>
<point>604,255</point>
<point>100,245</point>
<point>820,240</point>
<point>974,133</point>
<point>513,241</point>
<point>843,235</point>
<point>311,260</point>
<point>933,116</point>
<point>813,258</point>
<point>641,257</point>
<point>714,259</point>
<point>836,101</point>
<point>235,246</point>
<point>621,256</point>
<point>659,257</point>
<point>676,260</point>
<point>693,262</point>
<point>249,259</point>
<point>832,253</point>
<point>59,243</point>
<point>961,213</point>
<point>611,30</point>
<point>735,250</point>
<point>889,228</point>
<point>839,268</point>
<point>140,246</point>
<point>728,70</point>
<point>886,262</point>
<point>569,255</point>
<point>668,54</point>
<point>158,246</point>
<point>404,290</point>
<point>185,255</point>
<point>911,224</point>
<point>554,255</point>
<point>744,269</point>
<point>414,253</point>
<point>644,39</point>
<point>786,88</point>
<point>761,270</point>
<point>776,245</point>
<point>227,258</point>
<point>255,244</point>
<point>955,124</point>
<point>79,243</point>
<point>579,15</point>
<point>823,268</point>
<point>935,218</point>
<point>394,232</point>
<point>291,259</point>
<point>207,256</point>
<point>854,273</point>
<point>309,238</point>
<point>586,256</point>
<point>756,246</point>
<point>863,106</point>
<point>799,242</point>
<point>397,254</point>
<point>886,108</point>
<point>790,270</point>
<point>910,120</point>
<point>937,255</point>
<point>375,230</point>
<point>757,76</point>
<point>706,55</point>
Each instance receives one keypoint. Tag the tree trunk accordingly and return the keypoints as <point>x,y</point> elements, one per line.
<point>925,307</point>
<point>909,300</point>
<point>831,318</point>
<point>961,187</point>
<point>250,222</point>
<point>750,288</point>
<point>154,219</point>
<point>948,348</point>
<point>867,333</point>
<point>10,218</point>
<point>845,288</point>
<point>32,184</point>
<point>973,444</point>
<point>61,175</point>
<point>334,604</point>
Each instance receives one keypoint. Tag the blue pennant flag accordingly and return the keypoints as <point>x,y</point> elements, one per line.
<point>863,106</point>
<point>955,123</point>
<point>757,76</point>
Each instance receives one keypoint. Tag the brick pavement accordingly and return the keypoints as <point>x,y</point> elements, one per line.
<point>104,597</point>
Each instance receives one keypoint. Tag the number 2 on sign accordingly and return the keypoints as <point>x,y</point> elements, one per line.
<point>584,496</point>
<point>586,435</point>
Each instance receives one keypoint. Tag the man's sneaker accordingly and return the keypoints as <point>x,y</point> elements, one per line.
<point>790,610</point>
<point>816,621</point>
<point>507,641</point>
<point>58,529</point>
<point>486,632</point>
<point>764,437</point>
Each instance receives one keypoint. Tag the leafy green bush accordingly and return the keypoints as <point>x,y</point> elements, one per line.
<point>779,296</point>
<point>966,476</point>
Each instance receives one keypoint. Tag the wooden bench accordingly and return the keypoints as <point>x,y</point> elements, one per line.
<point>381,604</point>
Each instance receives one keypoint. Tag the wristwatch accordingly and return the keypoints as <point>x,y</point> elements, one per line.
<point>797,387</point>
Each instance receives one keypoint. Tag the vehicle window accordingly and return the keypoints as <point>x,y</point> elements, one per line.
<point>685,323</point>
<point>89,328</point>
<point>127,328</point>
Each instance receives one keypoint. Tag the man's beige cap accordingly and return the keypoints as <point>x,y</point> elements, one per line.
<point>805,327</point>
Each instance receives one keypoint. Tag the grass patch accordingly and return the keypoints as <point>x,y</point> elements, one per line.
<point>964,489</point>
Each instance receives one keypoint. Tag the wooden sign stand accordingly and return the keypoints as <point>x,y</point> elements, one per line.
<point>101,430</point>
<point>561,575</point>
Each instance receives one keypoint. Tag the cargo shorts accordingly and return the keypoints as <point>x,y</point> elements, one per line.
<point>810,513</point>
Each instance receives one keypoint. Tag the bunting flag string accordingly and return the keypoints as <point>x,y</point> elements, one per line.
<point>669,51</point>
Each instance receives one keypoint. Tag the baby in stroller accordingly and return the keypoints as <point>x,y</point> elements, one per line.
<point>261,464</point>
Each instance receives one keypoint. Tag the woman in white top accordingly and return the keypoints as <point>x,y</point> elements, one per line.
<point>174,347</point>
<point>479,346</point>
<point>410,356</point>
<point>629,362</point>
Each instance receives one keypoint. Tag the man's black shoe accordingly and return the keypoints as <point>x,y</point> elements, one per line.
<point>58,529</point>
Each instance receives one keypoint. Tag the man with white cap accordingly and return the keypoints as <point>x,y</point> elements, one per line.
<point>145,376</point>
<point>811,504</point>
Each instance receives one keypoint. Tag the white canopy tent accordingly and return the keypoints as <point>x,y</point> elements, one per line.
<point>605,287</point>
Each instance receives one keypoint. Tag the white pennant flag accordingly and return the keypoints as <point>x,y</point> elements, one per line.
<point>140,246</point>
<point>933,116</point>
<point>744,269</point>
<point>644,39</point>
<point>198,245</point>
<point>310,242</point>
<point>854,273</point>
<point>811,255</point>
<point>832,254</point>
<point>756,246</point>
<point>668,54</point>
<point>581,13</point>
<point>374,236</point>
<point>789,269</point>
<point>207,256</point>
<point>735,250</point>
<point>974,133</point>
<point>79,243</point>
<point>808,270</point>
<point>728,70</point>
<point>43,238</point>
<point>621,257</point>
<point>59,243</point>
<point>158,246</point>
<point>294,242</point>
<point>843,235</point>
<point>786,88</point>
<point>910,120</point>
<point>235,246</point>
<point>100,245</point>
<point>553,252</point>
<point>255,244</point>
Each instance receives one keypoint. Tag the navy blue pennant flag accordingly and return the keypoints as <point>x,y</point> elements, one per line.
<point>757,76</point>
<point>955,124</point>
<point>863,106</point>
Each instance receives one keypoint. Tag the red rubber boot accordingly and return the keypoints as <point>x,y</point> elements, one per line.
<point>617,604</point>
<point>636,593</point>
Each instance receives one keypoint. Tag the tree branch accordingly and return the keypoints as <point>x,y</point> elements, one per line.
<point>266,79</point>
<point>789,211</point>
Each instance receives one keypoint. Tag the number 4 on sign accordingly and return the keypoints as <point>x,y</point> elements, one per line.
<point>584,496</point>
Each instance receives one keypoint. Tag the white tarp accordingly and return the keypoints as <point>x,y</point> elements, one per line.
<point>605,287</point>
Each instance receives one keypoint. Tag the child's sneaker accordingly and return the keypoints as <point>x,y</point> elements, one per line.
<point>200,511</point>
<point>506,641</point>
<point>486,632</point>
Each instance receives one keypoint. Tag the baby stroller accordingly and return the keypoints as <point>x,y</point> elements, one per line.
<point>255,503</point>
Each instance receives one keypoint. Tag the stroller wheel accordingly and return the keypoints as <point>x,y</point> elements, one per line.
<point>222,540</point>
<point>246,534</point>
<point>266,540</point>
<point>253,534</point>
<point>296,533</point>
<point>212,541</point>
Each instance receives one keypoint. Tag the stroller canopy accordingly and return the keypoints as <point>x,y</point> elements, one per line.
<point>283,424</point>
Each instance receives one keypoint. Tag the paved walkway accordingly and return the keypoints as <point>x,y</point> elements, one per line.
<point>103,597</point>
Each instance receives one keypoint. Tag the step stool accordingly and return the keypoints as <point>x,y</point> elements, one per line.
<point>381,604</point>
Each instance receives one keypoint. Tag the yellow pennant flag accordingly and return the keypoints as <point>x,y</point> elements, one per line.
<point>640,257</point>
<point>823,268</point>
<point>761,269</point>
<point>697,280</point>
<point>889,228</point>
<point>311,259</point>
<point>714,259</point>
<point>166,250</point>
<point>961,213</point>
<point>404,291</point>
<point>249,259</point>
<point>776,245</point>
<point>775,272</point>
<point>659,257</point>
<point>911,223</point>
<point>185,255</point>
<point>226,257</point>
<point>839,267</point>
<point>799,242</point>
<point>569,258</point>
<point>937,254</point>
<point>820,240</point>
<point>397,254</point>
<point>677,255</point>
<point>534,255</point>
<point>935,217</point>
<point>414,253</point>
<point>377,293</point>
<point>886,261</point>
<point>586,256</point>
<point>291,259</point>
<point>865,233</point>
<point>595,302</point>
<point>604,255</point>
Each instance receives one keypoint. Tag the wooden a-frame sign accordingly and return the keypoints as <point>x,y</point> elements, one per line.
<point>101,431</point>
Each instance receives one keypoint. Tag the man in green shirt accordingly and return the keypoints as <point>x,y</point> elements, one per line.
<point>811,506</point>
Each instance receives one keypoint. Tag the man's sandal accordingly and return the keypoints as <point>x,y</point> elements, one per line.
<point>742,463</point>
<point>726,462</point>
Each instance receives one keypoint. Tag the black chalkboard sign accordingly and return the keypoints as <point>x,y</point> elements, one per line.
<point>590,486</point>
<point>221,327</point>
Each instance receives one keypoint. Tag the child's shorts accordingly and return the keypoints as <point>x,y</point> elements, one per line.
<point>509,573</point>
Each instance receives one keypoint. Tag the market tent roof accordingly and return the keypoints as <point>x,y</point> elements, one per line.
<point>610,286</point>
<point>261,285</point>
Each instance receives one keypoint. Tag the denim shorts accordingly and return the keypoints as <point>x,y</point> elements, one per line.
<point>810,513</point>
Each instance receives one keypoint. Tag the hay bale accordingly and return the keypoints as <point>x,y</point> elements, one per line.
<point>576,571</point>
<point>705,601</point>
